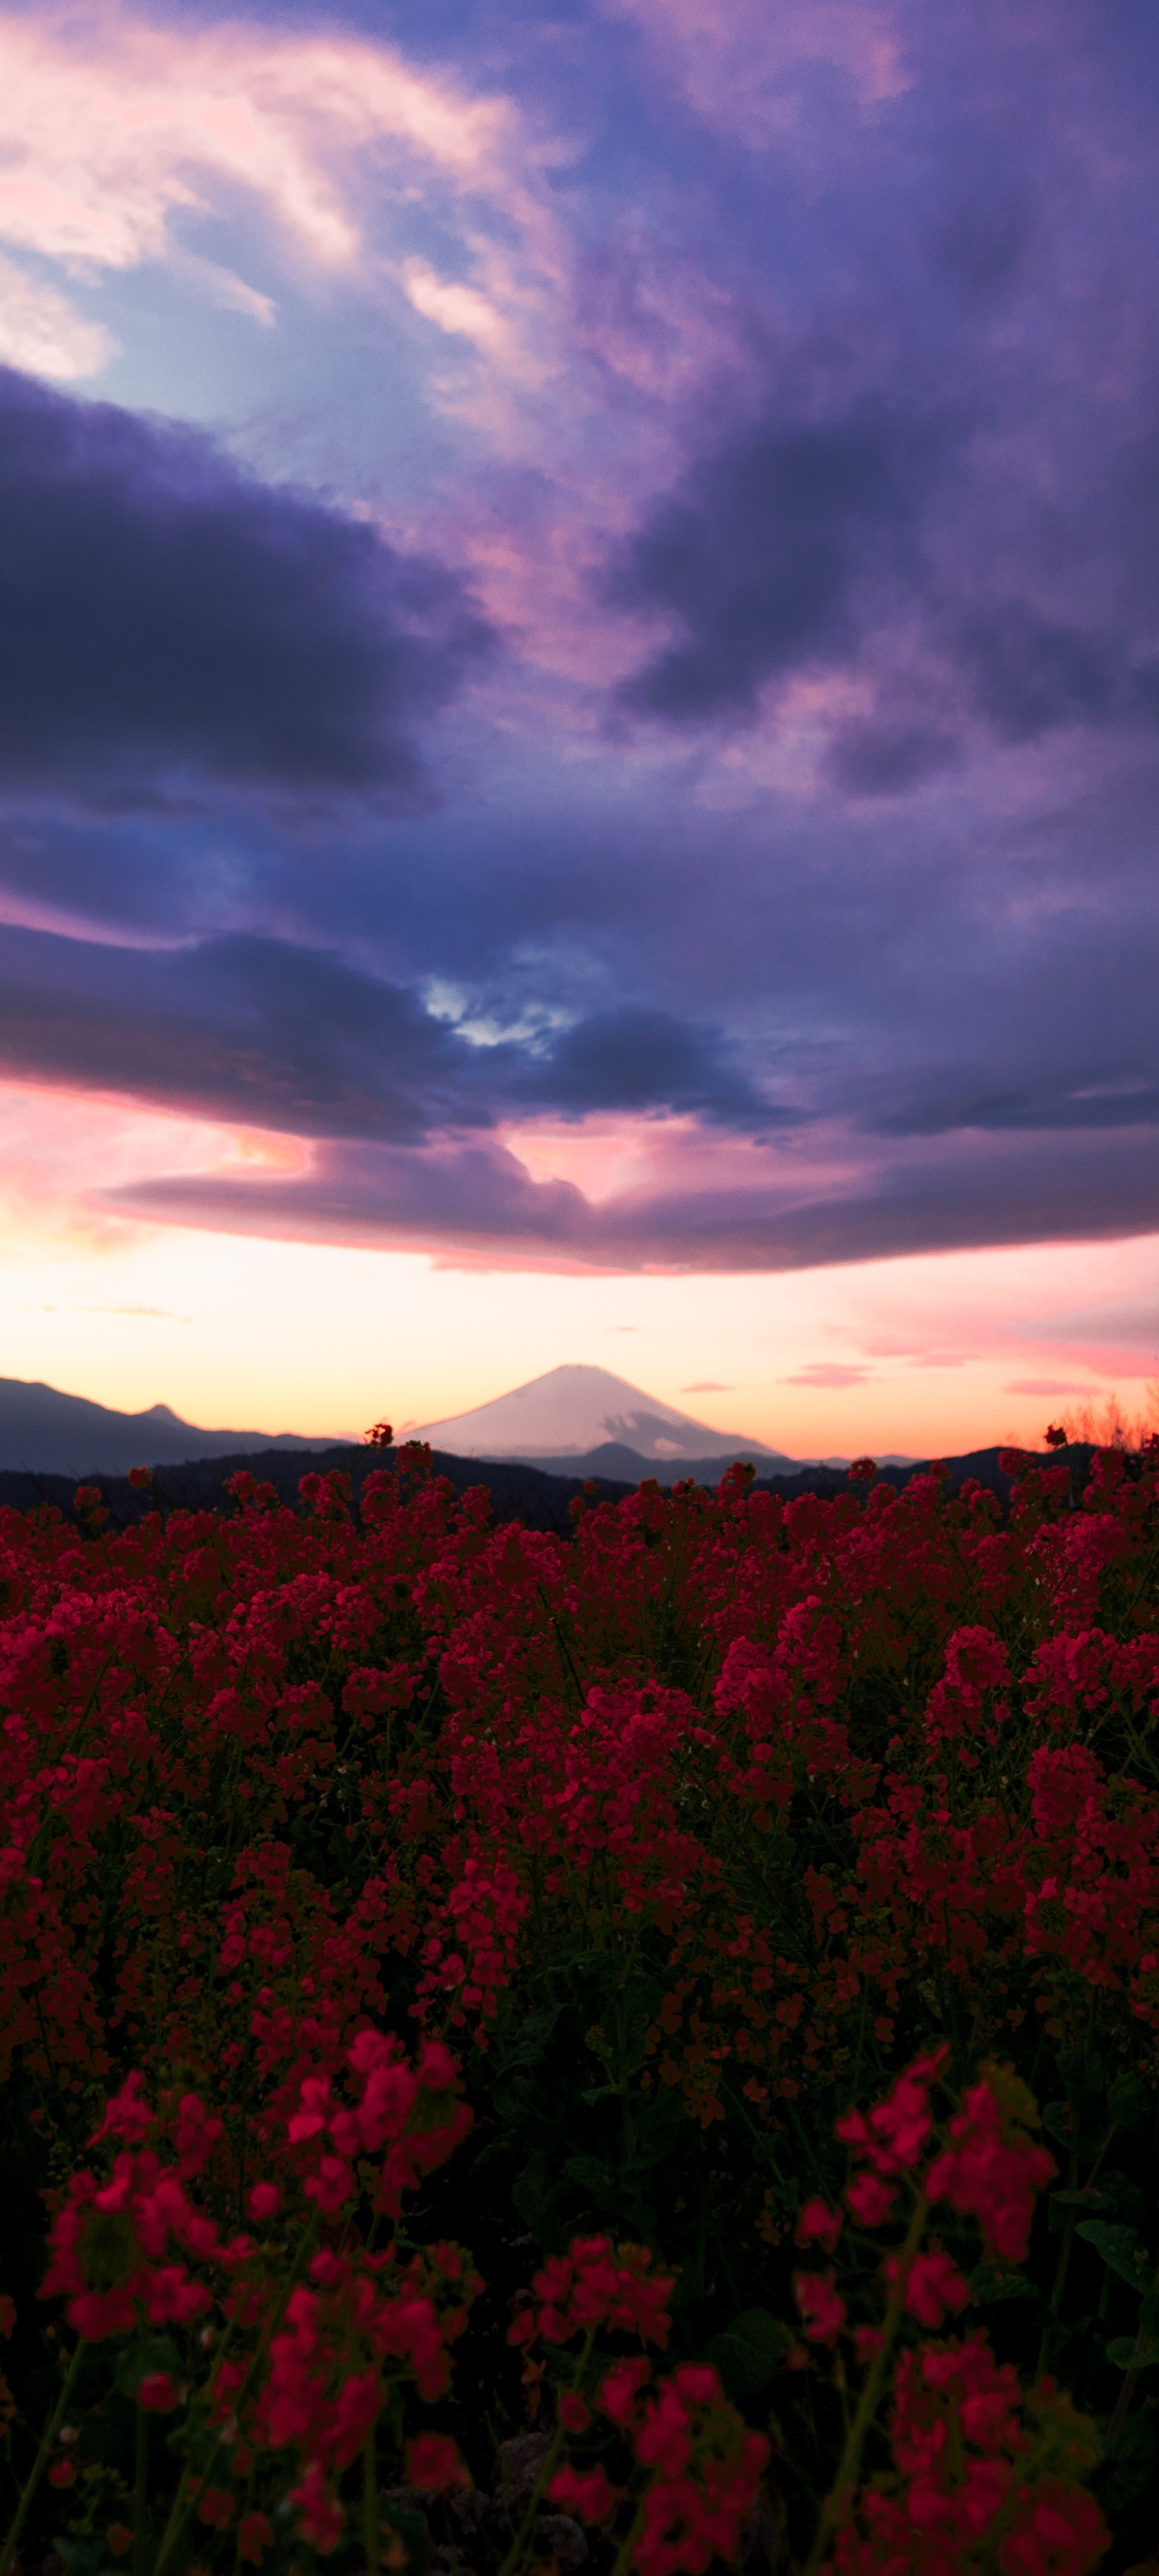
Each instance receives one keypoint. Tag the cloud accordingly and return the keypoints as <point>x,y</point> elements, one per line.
<point>43,333</point>
<point>168,621</point>
<point>635,1058</point>
<point>120,139</point>
<point>827,1373</point>
<point>1049,1386</point>
<point>109,130</point>
<point>478,1201</point>
<point>300,1042</point>
<point>743,66</point>
<point>758,557</point>
<point>706,1386</point>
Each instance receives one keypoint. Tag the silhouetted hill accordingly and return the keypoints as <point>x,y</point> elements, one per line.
<point>518,1493</point>
<point>43,1431</point>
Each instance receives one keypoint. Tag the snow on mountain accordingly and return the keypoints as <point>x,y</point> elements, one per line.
<point>572,1410</point>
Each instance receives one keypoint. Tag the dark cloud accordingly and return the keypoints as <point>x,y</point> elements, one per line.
<point>759,556</point>
<point>1102,1102</point>
<point>299,1041</point>
<point>881,543</point>
<point>237,1028</point>
<point>168,621</point>
<point>639,1059</point>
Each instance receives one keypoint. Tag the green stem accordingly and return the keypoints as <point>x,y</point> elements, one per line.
<point>1127,2390</point>
<point>837,2501</point>
<point>370,2506</point>
<point>182,2502</point>
<point>514,2556</point>
<point>38,2466</point>
<point>627,2545</point>
<point>140,2489</point>
<point>1061,2269</point>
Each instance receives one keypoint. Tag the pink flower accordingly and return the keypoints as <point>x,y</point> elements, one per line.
<point>588,2496</point>
<point>822,2310</point>
<point>319,2512</point>
<point>934,2284</point>
<point>870,2199</point>
<point>215,2506</point>
<point>622,2387</point>
<point>157,2393</point>
<point>819,2222</point>
<point>432,2462</point>
<point>254,2537</point>
<point>990,2179</point>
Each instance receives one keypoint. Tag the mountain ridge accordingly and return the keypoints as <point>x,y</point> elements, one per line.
<point>44,1431</point>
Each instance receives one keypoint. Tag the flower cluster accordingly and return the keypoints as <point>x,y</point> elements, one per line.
<point>690,1835</point>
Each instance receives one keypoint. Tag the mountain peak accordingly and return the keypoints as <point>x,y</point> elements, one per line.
<point>573,1409</point>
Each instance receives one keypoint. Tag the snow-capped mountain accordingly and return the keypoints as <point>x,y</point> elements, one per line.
<point>571,1411</point>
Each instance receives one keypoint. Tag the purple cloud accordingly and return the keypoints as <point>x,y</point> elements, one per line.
<point>698,613</point>
<point>167,622</point>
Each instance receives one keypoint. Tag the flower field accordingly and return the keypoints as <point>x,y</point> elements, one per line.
<point>632,2052</point>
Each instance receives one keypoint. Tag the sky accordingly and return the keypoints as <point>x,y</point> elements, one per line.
<point>579,686</point>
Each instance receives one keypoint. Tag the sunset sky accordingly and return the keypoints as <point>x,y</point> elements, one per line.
<point>579,620</point>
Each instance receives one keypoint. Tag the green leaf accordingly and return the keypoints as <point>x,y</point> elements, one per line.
<point>410,2526</point>
<point>1082,2073</point>
<point>1083,2140</point>
<point>148,2353</point>
<point>1126,2356</point>
<point>749,2353</point>
<point>1127,2102</point>
<point>1065,2207</point>
<point>589,2171</point>
<point>990,2285</point>
<point>1120,2249</point>
<point>1128,2204</point>
<point>530,2041</point>
<point>1124,2475</point>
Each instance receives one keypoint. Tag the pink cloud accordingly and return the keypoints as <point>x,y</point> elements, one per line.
<point>109,128</point>
<point>53,1141</point>
<point>740,62</point>
<point>1049,1386</point>
<point>827,1373</point>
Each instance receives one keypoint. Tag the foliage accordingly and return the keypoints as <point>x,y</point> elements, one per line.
<point>451,1978</point>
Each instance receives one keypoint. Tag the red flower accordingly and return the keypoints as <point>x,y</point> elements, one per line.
<point>822,2310</point>
<point>994,2180</point>
<point>589,2495</point>
<point>157,2393</point>
<point>433,2463</point>
<point>819,2223</point>
<point>254,2537</point>
<point>933,2284</point>
<point>215,2506</point>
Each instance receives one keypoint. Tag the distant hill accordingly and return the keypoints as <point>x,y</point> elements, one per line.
<point>572,1414</point>
<point>518,1492</point>
<point>629,1466</point>
<point>43,1432</point>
